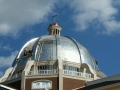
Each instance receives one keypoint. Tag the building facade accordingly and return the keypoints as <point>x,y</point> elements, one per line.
<point>52,62</point>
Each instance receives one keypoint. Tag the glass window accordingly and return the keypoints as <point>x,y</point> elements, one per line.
<point>45,67</point>
<point>71,68</point>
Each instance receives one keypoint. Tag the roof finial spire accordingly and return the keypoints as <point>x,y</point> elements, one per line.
<point>54,16</point>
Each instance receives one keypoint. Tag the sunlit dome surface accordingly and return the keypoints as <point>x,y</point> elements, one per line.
<point>54,47</point>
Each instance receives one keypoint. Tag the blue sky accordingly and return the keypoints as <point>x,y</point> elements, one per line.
<point>93,23</point>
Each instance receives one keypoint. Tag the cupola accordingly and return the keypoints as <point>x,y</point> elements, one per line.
<point>54,28</point>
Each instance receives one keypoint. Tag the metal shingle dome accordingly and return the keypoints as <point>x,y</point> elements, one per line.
<point>54,47</point>
<point>53,59</point>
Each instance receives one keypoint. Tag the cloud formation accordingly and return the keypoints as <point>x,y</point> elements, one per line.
<point>87,13</point>
<point>7,61</point>
<point>18,14</point>
<point>98,13</point>
<point>5,47</point>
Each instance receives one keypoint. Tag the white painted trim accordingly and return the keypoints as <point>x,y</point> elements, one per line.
<point>6,74</point>
<point>41,76</point>
<point>78,78</point>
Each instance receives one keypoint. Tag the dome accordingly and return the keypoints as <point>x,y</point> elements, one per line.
<point>55,47</point>
<point>52,58</point>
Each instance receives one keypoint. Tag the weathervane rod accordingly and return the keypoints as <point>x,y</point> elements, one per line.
<point>54,16</point>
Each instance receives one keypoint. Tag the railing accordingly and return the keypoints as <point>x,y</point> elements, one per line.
<point>43,72</point>
<point>55,71</point>
<point>11,77</point>
<point>74,73</point>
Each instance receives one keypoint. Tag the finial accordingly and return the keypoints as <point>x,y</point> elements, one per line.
<point>54,16</point>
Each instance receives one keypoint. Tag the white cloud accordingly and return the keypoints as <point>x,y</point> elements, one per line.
<point>7,47</point>
<point>15,14</point>
<point>99,13</point>
<point>7,61</point>
<point>18,14</point>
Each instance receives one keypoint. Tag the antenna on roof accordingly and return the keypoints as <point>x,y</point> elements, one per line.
<point>54,16</point>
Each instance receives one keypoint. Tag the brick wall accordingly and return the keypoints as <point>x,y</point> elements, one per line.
<point>69,84</point>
